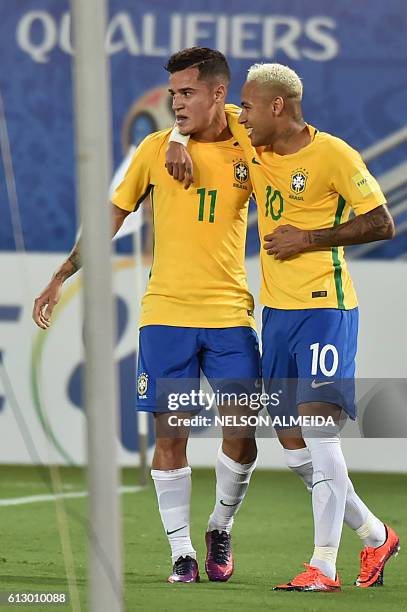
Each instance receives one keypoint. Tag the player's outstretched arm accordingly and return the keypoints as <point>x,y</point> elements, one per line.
<point>287,241</point>
<point>45,303</point>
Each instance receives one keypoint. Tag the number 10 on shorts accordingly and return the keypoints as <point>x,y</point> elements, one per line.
<point>319,356</point>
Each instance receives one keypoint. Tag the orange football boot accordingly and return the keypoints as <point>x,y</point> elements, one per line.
<point>373,560</point>
<point>311,580</point>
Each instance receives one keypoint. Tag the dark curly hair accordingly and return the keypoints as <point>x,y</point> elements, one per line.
<point>210,63</point>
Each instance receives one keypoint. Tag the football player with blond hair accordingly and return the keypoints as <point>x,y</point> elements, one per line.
<point>306,184</point>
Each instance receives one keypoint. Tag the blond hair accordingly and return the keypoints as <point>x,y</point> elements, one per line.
<point>279,75</point>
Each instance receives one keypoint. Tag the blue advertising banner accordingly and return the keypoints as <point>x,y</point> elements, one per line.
<point>351,56</point>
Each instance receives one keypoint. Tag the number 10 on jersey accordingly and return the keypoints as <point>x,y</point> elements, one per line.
<point>274,203</point>
<point>212,203</point>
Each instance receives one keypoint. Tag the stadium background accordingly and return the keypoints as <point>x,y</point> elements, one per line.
<point>352,58</point>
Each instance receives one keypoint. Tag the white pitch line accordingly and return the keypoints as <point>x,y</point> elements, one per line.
<point>35,483</point>
<point>33,499</point>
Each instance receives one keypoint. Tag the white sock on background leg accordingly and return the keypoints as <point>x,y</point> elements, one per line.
<point>173,488</point>
<point>299,461</point>
<point>372,532</point>
<point>232,481</point>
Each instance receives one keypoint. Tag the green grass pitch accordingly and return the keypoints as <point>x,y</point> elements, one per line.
<point>272,537</point>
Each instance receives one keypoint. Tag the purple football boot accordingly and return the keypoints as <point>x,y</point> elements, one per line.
<point>219,556</point>
<point>185,569</point>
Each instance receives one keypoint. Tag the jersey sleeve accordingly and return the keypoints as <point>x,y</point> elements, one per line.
<point>353,181</point>
<point>136,183</point>
<point>239,131</point>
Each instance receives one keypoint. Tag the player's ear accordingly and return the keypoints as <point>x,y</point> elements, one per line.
<point>278,105</point>
<point>220,93</point>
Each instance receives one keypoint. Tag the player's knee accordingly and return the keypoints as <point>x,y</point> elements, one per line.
<point>241,450</point>
<point>170,453</point>
<point>291,438</point>
<point>292,443</point>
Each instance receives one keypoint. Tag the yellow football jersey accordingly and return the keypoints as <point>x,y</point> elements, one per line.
<point>198,276</point>
<point>314,188</point>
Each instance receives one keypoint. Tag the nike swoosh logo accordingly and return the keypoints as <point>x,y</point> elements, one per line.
<point>230,505</point>
<point>254,161</point>
<point>315,385</point>
<point>174,530</point>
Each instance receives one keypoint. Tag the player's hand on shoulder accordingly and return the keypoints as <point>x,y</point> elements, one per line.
<point>44,304</point>
<point>286,241</point>
<point>179,163</point>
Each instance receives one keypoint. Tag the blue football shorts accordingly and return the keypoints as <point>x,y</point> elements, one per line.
<point>171,358</point>
<point>309,356</point>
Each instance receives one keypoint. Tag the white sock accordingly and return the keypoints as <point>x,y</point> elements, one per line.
<point>173,488</point>
<point>299,461</point>
<point>329,487</point>
<point>357,516</point>
<point>372,532</point>
<point>232,481</point>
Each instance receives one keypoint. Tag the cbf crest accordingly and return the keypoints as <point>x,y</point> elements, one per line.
<point>298,180</point>
<point>241,172</point>
<point>142,384</point>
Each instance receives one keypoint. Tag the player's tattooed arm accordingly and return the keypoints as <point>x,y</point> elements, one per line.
<point>45,303</point>
<point>288,241</point>
<point>71,265</point>
<point>376,224</point>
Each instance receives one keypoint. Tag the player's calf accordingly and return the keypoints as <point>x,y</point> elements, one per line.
<point>232,482</point>
<point>172,481</point>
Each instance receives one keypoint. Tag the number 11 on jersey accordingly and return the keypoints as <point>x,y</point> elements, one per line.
<point>202,197</point>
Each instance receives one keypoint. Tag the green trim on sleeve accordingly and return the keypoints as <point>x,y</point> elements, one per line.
<point>153,212</point>
<point>143,197</point>
<point>335,257</point>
